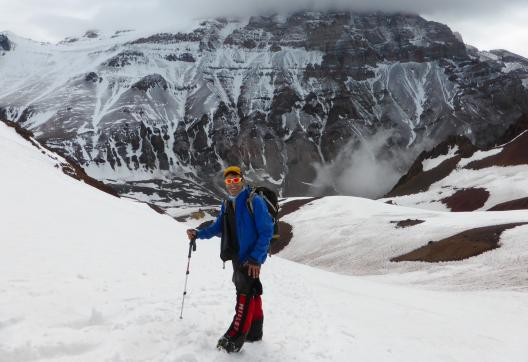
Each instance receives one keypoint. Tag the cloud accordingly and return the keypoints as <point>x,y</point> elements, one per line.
<point>482,22</point>
<point>251,7</point>
<point>504,28</point>
<point>366,168</point>
<point>56,19</point>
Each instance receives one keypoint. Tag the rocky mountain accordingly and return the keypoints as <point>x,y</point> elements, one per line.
<point>156,116</point>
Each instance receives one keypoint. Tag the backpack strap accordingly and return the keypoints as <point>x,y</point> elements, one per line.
<point>249,201</point>
<point>252,196</point>
<point>269,203</point>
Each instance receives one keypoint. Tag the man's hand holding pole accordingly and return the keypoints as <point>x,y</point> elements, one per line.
<point>191,234</point>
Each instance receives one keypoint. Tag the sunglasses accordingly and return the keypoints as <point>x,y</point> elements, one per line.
<point>234,180</point>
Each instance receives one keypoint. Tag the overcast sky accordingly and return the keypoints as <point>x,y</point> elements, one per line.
<point>485,24</point>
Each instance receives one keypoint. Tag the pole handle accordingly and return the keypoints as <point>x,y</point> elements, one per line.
<point>192,246</point>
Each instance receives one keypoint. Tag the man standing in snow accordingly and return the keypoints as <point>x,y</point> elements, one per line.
<point>245,238</point>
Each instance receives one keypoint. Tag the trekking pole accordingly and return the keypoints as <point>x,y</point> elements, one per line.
<point>192,247</point>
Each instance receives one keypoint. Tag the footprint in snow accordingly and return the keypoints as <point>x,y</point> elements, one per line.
<point>9,322</point>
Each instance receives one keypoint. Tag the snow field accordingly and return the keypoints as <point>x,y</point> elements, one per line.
<point>90,277</point>
<point>357,236</point>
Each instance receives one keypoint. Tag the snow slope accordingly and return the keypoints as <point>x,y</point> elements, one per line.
<point>358,236</point>
<point>502,181</point>
<point>90,277</point>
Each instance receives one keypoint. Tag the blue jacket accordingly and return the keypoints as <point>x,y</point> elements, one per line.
<point>253,232</point>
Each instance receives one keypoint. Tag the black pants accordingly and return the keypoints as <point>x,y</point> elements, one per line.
<point>249,317</point>
<point>245,284</point>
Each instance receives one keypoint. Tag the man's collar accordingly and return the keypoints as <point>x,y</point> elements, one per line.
<point>235,198</point>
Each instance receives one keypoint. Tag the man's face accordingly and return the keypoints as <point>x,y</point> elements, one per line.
<point>234,184</point>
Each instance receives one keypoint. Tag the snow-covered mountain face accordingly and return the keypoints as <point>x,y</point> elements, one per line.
<point>275,94</point>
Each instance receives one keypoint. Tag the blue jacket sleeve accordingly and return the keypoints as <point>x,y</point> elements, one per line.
<point>264,225</point>
<point>213,230</point>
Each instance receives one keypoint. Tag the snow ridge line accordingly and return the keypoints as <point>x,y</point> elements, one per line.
<point>68,166</point>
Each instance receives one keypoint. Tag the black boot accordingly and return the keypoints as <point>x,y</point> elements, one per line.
<point>230,344</point>
<point>255,332</point>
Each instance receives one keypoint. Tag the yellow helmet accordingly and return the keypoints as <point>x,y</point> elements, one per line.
<point>232,169</point>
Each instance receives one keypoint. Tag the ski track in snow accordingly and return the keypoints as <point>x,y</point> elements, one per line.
<point>90,277</point>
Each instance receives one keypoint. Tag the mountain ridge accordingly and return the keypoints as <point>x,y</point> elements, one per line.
<point>276,95</point>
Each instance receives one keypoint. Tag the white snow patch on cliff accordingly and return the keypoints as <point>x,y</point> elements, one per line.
<point>430,163</point>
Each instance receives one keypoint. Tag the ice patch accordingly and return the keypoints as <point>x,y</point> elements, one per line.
<point>430,163</point>
<point>485,56</point>
<point>40,118</point>
<point>479,155</point>
<point>510,67</point>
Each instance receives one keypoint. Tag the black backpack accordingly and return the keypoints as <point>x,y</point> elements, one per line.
<point>272,202</point>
